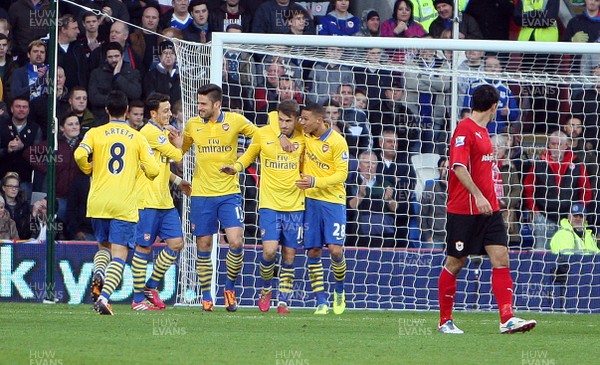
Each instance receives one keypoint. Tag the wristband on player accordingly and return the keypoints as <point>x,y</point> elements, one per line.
<point>177,180</point>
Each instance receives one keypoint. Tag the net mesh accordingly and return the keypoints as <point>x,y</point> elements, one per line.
<point>396,108</point>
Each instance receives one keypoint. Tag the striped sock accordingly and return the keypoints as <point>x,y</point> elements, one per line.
<point>138,269</point>
<point>266,272</point>
<point>114,274</point>
<point>286,282</point>
<point>315,274</point>
<point>339,273</point>
<point>163,262</point>
<point>204,270</point>
<point>101,260</point>
<point>234,261</point>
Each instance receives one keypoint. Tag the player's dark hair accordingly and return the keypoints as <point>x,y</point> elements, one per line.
<point>214,92</point>
<point>114,46</point>
<point>316,109</point>
<point>154,99</point>
<point>484,97</point>
<point>116,104</point>
<point>289,108</point>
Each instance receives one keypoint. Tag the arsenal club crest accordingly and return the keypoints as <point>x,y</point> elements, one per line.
<point>295,145</point>
<point>225,127</point>
<point>325,147</point>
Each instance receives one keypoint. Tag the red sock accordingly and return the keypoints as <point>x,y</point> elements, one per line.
<point>446,291</point>
<point>502,285</point>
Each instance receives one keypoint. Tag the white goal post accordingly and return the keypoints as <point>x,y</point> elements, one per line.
<point>547,82</point>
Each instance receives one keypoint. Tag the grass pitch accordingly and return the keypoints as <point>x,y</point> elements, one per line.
<point>63,334</point>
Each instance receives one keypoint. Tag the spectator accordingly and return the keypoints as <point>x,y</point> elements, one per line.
<point>8,227</point>
<point>135,114</point>
<point>164,78</point>
<point>339,21</point>
<point>373,78</point>
<point>71,55</point>
<point>370,24</point>
<point>471,70</point>
<point>326,77</point>
<point>90,39</point>
<point>38,221</point>
<point>172,32</point>
<point>114,74</point>
<point>17,134</point>
<point>270,17</point>
<point>145,42</point>
<point>296,19</point>
<point>201,28</point>
<point>427,93</point>
<point>113,8</point>
<point>584,151</point>
<point>586,103</point>
<point>7,68</point>
<point>178,16</point>
<point>16,204</point>
<point>119,32</point>
<point>31,81</point>
<point>468,26</point>
<point>554,181</point>
<point>493,17</point>
<point>508,110</point>
<point>574,236</point>
<point>537,19</point>
<point>231,12</point>
<point>424,12</point>
<point>78,102</point>
<point>402,23</point>
<point>66,168</point>
<point>433,209</point>
<point>38,107</point>
<point>509,187</point>
<point>136,9</point>
<point>355,127</point>
<point>78,224</point>
<point>28,20</point>
<point>372,203</point>
<point>237,69</point>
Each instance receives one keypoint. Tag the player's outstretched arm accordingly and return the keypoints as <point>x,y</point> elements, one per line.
<point>464,177</point>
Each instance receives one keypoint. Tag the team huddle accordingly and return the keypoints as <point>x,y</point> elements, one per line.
<point>302,201</point>
<point>130,202</point>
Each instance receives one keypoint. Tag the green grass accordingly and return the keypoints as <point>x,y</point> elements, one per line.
<point>40,334</point>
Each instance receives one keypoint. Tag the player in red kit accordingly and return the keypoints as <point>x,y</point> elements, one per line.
<point>475,225</point>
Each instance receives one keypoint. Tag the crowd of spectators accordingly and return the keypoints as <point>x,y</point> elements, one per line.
<point>386,117</point>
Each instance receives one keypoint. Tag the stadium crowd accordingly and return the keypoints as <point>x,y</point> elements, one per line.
<point>386,118</point>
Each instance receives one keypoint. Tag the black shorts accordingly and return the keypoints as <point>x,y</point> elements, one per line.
<point>469,234</point>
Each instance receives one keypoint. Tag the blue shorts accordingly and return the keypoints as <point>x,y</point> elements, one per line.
<point>114,231</point>
<point>207,212</point>
<point>285,227</point>
<point>164,223</point>
<point>324,224</point>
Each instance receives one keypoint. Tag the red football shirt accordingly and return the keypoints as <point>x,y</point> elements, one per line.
<point>471,147</point>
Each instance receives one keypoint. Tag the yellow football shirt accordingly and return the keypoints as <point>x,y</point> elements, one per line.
<point>118,150</point>
<point>326,159</point>
<point>156,193</point>
<point>216,146</point>
<point>279,170</point>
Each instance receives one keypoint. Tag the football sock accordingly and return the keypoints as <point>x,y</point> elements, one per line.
<point>114,273</point>
<point>204,271</point>
<point>234,262</point>
<point>138,270</point>
<point>339,272</point>
<point>163,262</point>
<point>502,286</point>
<point>446,292</point>
<point>101,260</point>
<point>315,274</point>
<point>286,282</point>
<point>266,272</point>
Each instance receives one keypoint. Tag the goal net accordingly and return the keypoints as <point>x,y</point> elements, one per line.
<point>396,103</point>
